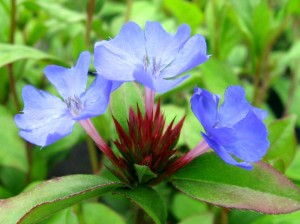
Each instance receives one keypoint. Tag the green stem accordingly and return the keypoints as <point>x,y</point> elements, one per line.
<point>12,83</point>
<point>294,78</point>
<point>29,159</point>
<point>140,216</point>
<point>90,12</point>
<point>92,154</point>
<point>261,88</point>
<point>128,10</point>
<point>12,21</point>
<point>10,66</point>
<point>224,216</point>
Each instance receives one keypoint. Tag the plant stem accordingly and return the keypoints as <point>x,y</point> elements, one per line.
<point>13,87</point>
<point>294,78</point>
<point>12,84</point>
<point>12,21</point>
<point>92,154</point>
<point>128,10</point>
<point>140,216</point>
<point>90,12</point>
<point>10,66</point>
<point>29,159</point>
<point>262,68</point>
<point>224,216</point>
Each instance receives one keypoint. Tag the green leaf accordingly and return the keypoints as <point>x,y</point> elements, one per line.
<point>99,213</point>
<point>128,95</point>
<point>261,26</point>
<point>191,129</point>
<point>52,196</point>
<point>61,13</point>
<point>292,218</point>
<point>10,53</point>
<point>12,148</point>
<point>206,218</point>
<point>184,207</point>
<point>149,200</point>
<point>5,193</point>
<point>180,8</point>
<point>262,189</point>
<point>144,173</point>
<point>217,76</point>
<point>282,141</point>
<point>67,215</point>
<point>293,169</point>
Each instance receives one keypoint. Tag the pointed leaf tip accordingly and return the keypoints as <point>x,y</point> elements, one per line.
<point>262,189</point>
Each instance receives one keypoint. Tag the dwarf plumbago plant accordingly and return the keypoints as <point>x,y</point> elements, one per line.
<point>145,153</point>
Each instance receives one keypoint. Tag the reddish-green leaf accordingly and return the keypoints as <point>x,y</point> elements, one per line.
<point>262,189</point>
<point>52,196</point>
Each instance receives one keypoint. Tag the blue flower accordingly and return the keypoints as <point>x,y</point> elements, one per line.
<point>152,57</point>
<point>46,118</point>
<point>235,130</point>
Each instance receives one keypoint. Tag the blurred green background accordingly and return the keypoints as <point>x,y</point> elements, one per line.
<point>253,43</point>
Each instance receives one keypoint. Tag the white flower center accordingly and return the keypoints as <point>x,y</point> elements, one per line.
<point>74,105</point>
<point>153,65</point>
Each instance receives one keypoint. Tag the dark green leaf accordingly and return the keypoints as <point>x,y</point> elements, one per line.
<point>149,200</point>
<point>144,173</point>
<point>52,196</point>
<point>263,189</point>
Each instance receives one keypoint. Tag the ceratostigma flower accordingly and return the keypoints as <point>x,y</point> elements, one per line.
<point>46,118</point>
<point>153,57</point>
<point>235,131</point>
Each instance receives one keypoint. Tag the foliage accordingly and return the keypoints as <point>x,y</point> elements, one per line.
<point>252,43</point>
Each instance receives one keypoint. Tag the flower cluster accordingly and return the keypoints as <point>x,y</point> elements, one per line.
<point>155,59</point>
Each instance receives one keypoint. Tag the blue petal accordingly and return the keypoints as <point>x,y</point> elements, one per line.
<point>49,131</point>
<point>96,98</point>
<point>70,82</point>
<point>224,155</point>
<point>223,136</point>
<point>45,117</point>
<point>115,64</point>
<point>236,107</point>
<point>205,106</point>
<point>39,101</point>
<point>115,84</point>
<point>192,54</point>
<point>252,139</point>
<point>130,39</point>
<point>164,46</point>
<point>119,58</point>
<point>157,83</point>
